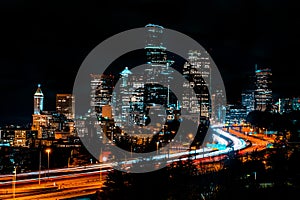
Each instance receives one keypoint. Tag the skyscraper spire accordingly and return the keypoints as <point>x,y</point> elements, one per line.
<point>38,99</point>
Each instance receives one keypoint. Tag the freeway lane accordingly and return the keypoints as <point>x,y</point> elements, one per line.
<point>83,180</point>
<point>32,177</point>
<point>64,188</point>
<point>257,144</point>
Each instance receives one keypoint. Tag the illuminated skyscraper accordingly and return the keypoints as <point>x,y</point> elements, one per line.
<point>263,92</point>
<point>121,102</point>
<point>158,69</point>
<point>38,101</point>
<point>248,100</point>
<point>65,105</point>
<point>101,91</point>
<point>196,71</point>
<point>218,110</point>
<point>156,52</point>
<point>39,120</point>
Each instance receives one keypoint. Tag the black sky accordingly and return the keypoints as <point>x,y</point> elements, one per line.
<point>46,41</point>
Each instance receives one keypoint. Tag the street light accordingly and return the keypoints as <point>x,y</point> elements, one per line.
<point>104,159</point>
<point>157,144</point>
<point>48,151</point>
<point>100,178</point>
<point>40,162</point>
<point>14,182</point>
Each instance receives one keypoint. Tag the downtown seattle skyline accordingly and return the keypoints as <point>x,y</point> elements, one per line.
<point>92,105</point>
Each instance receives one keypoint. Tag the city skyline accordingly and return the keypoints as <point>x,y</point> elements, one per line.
<point>52,106</point>
<point>149,99</point>
<point>46,44</point>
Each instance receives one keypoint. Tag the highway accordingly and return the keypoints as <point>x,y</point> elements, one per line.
<point>84,180</point>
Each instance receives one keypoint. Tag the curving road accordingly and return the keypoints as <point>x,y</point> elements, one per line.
<point>83,180</point>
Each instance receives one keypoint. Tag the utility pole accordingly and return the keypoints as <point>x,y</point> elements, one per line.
<point>40,162</point>
<point>14,182</point>
<point>101,158</point>
<point>48,151</point>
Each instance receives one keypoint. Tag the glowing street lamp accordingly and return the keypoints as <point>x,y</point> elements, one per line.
<point>14,182</point>
<point>104,159</point>
<point>157,145</point>
<point>190,135</point>
<point>40,163</point>
<point>48,151</point>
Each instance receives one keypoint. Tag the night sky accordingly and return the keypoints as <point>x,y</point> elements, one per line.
<point>46,41</point>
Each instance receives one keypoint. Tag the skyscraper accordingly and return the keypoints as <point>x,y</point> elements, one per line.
<point>101,91</point>
<point>39,119</point>
<point>248,100</point>
<point>157,70</point>
<point>38,101</point>
<point>65,105</point>
<point>218,110</point>
<point>263,91</point>
<point>196,71</point>
<point>130,102</point>
<point>155,51</point>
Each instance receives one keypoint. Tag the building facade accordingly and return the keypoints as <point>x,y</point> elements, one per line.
<point>263,92</point>
<point>101,91</point>
<point>197,72</point>
<point>248,100</point>
<point>65,104</point>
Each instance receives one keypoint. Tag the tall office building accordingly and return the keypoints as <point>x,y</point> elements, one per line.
<point>155,51</point>
<point>218,110</point>
<point>128,99</point>
<point>157,70</point>
<point>101,91</point>
<point>236,114</point>
<point>38,101</point>
<point>248,100</point>
<point>197,71</point>
<point>65,104</point>
<point>263,92</point>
